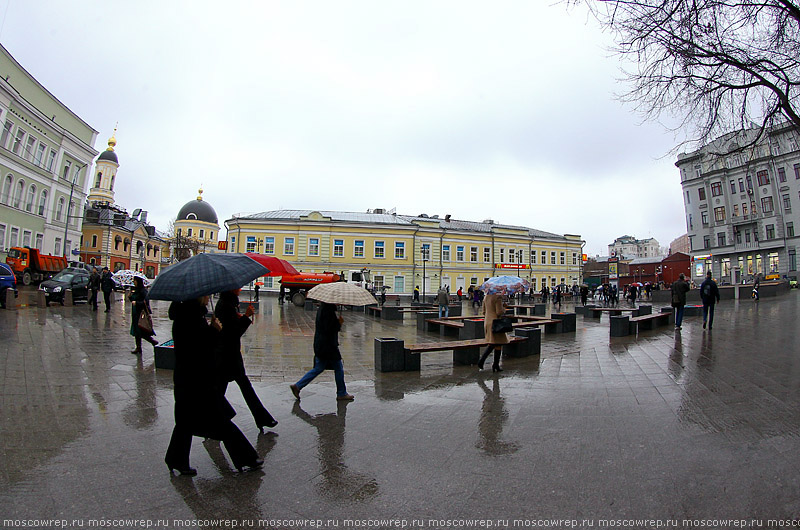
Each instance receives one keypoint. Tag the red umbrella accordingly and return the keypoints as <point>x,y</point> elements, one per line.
<point>276,266</point>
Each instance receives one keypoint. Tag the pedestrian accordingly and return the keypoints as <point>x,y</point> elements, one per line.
<point>443,299</point>
<point>679,290</point>
<point>281,294</point>
<point>231,364</point>
<point>476,298</point>
<point>459,293</point>
<point>200,406</point>
<point>416,294</point>
<point>493,308</point>
<point>709,293</point>
<point>584,294</point>
<point>383,294</point>
<point>107,286</point>
<point>326,352</point>
<point>94,288</point>
<point>256,289</point>
<point>139,303</point>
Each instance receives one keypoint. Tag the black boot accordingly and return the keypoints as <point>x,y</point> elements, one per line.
<point>484,356</point>
<point>138,349</point>
<point>496,364</point>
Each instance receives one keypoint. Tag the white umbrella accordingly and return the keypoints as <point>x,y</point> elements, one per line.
<point>341,293</point>
<point>125,277</point>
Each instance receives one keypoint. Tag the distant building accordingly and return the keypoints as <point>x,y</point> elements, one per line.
<point>636,248</point>
<point>196,230</point>
<point>45,149</point>
<point>737,193</point>
<point>679,244</point>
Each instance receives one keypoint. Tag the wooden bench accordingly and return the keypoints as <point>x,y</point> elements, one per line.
<point>623,325</point>
<point>596,312</point>
<point>393,355</point>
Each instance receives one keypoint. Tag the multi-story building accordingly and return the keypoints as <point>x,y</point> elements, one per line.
<point>45,150</point>
<point>679,244</point>
<point>403,251</point>
<point>635,248</point>
<point>110,237</point>
<point>738,193</point>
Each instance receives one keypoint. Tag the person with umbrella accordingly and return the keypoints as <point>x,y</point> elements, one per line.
<point>140,303</point>
<point>494,308</point>
<point>234,324</point>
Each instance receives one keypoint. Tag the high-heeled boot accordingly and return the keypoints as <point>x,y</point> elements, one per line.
<point>484,356</point>
<point>496,364</point>
<point>138,349</point>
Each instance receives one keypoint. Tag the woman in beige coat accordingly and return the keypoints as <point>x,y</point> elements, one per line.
<point>493,307</point>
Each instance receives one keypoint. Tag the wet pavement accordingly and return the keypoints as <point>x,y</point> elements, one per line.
<point>667,428</point>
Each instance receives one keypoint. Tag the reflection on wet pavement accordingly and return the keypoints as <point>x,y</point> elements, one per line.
<point>669,424</point>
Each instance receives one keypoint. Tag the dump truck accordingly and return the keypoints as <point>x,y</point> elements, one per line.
<point>298,284</point>
<point>31,266</point>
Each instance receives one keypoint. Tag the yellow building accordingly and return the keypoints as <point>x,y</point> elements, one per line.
<point>196,230</point>
<point>404,251</point>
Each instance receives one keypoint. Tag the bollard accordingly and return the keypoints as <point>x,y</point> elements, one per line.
<point>41,299</point>
<point>568,323</point>
<point>11,299</point>
<point>68,297</point>
<point>620,326</point>
<point>389,355</point>
<point>532,346</point>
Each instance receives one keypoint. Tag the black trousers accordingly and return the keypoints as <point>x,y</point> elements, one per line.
<point>93,298</point>
<point>257,409</point>
<point>107,299</point>
<point>241,451</point>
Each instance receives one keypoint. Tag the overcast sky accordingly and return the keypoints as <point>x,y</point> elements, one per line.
<point>501,111</point>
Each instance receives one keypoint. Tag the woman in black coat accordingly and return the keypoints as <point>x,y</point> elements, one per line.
<point>139,303</point>
<point>326,352</point>
<point>200,408</point>
<point>234,324</point>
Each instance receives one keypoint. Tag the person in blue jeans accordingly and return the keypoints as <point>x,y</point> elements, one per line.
<point>326,352</point>
<point>443,299</point>
<point>679,290</point>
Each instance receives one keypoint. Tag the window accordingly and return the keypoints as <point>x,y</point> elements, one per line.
<point>533,257</point>
<point>18,141</point>
<point>741,186</point>
<point>762,177</point>
<point>6,134</point>
<point>744,209</point>
<point>7,184</point>
<point>552,257</point>
<point>553,281</point>
<point>399,250</point>
<point>773,262</point>
<point>211,235</point>
<point>747,235</point>
<point>533,283</point>
<point>313,246</point>
<point>460,253</point>
<point>721,239</point>
<point>796,171</point>
<point>189,232</point>
<point>377,282</point>
<point>31,198</point>
<point>766,204</point>
<point>735,211</point>
<point>51,159</point>
<point>544,257</point>
<point>202,234</point>
<point>94,241</point>
<point>288,246</point>
<point>704,218</point>
<point>65,174</point>
<point>399,284</point>
<point>39,154</point>
<point>702,193</point>
<point>233,245</point>
<point>716,189</point>
<point>770,229</point>
<point>563,258</point>
<point>706,242</point>
<point>118,240</point>
<point>789,230</point>
<point>18,194</point>
<point>57,247</point>
<point>379,250</point>
<point>502,255</point>
<point>358,248</point>
<point>250,244</point>
<point>574,258</point>
<point>269,245</point>
<point>425,251</point>
<point>338,248</point>
<point>43,202</point>
<point>39,242</point>
<point>445,252</point>
<point>98,179</point>
<point>733,186</point>
<point>473,254</point>
<point>30,149</point>
<point>688,198</point>
<point>487,255</point>
<point>2,237</point>
<point>787,202</point>
<point>719,214</point>
<point>781,175</point>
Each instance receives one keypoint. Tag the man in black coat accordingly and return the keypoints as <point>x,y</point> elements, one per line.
<point>709,293</point>
<point>107,286</point>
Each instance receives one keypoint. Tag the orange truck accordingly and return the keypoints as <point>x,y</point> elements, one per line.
<point>298,284</point>
<point>31,266</point>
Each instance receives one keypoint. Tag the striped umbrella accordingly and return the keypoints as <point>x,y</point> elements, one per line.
<point>341,293</point>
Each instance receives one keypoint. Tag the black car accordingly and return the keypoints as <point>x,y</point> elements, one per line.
<point>73,278</point>
<point>7,281</point>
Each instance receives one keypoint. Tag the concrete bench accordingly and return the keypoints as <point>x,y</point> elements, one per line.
<point>692,310</point>
<point>384,312</point>
<point>393,355</point>
<point>622,326</point>
<point>165,355</point>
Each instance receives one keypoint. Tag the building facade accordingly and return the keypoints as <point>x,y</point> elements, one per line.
<point>403,252</point>
<point>45,150</point>
<point>196,230</point>
<point>738,193</point>
<point>634,248</point>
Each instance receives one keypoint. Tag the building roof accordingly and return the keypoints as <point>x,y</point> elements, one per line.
<point>643,261</point>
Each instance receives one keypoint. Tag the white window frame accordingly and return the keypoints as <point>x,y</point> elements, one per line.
<point>399,250</point>
<point>379,249</point>
<point>445,252</point>
<point>288,246</point>
<point>358,248</point>
<point>269,245</point>
<point>473,254</point>
<point>460,253</point>
<point>313,248</point>
<point>338,248</point>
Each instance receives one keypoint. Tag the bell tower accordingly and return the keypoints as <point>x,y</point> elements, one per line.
<point>105,172</point>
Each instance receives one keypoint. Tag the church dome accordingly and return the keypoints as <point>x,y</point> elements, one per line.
<point>198,210</point>
<point>109,153</point>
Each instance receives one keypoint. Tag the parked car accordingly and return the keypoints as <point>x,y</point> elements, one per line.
<point>73,278</point>
<point>7,281</point>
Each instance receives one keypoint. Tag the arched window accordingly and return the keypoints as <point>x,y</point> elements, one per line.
<point>112,182</point>
<point>72,213</point>
<point>7,189</point>
<point>43,202</point>
<point>139,247</point>
<point>99,177</point>
<point>117,241</point>
<point>191,216</point>
<point>31,198</point>
<point>60,209</point>
<point>149,249</point>
<point>126,244</point>
<point>18,193</point>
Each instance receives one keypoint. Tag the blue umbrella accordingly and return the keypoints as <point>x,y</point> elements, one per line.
<point>205,274</point>
<point>505,285</point>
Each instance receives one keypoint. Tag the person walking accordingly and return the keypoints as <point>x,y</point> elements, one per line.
<point>709,293</point>
<point>200,406</point>
<point>281,294</point>
<point>443,299</point>
<point>326,352</point>
<point>679,290</point>
<point>255,291</point>
<point>231,364</point>
<point>416,294</point>
<point>94,288</point>
<point>107,286</point>
<point>584,294</point>
<point>460,293</point>
<point>493,308</point>
<point>139,303</point>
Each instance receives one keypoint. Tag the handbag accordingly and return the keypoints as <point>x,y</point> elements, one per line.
<point>146,322</point>
<point>502,325</point>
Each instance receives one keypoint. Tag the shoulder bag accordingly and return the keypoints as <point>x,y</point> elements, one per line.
<point>502,325</point>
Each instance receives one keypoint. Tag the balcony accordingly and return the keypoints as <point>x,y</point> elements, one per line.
<point>742,247</point>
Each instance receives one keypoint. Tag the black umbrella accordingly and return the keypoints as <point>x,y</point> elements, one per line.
<point>205,274</point>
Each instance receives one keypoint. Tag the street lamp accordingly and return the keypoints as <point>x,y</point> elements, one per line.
<point>424,261</point>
